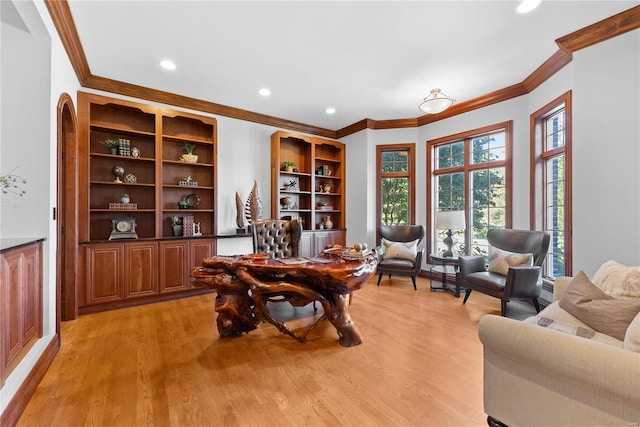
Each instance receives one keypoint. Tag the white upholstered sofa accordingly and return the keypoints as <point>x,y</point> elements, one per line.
<point>555,370</point>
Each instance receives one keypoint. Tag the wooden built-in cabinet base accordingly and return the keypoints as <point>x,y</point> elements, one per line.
<point>313,242</point>
<point>125,273</point>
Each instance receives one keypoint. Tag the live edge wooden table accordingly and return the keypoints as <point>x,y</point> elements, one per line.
<point>246,283</point>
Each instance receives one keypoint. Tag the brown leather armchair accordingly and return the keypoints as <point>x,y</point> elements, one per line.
<point>276,237</point>
<point>400,266</point>
<point>521,282</point>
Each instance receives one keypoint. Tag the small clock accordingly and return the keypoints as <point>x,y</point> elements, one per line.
<point>135,152</point>
<point>123,227</point>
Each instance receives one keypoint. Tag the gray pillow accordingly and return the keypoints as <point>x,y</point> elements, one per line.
<point>603,313</point>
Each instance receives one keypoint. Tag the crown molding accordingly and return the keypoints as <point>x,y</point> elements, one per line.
<point>63,21</point>
<point>585,37</point>
<point>602,30</point>
<point>551,66</point>
<point>154,95</point>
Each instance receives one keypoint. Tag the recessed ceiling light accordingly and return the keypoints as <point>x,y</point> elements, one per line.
<point>264,92</point>
<point>526,6</point>
<point>168,64</point>
<point>330,110</point>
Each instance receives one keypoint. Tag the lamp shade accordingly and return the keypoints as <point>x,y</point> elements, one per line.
<point>450,220</point>
<point>436,102</point>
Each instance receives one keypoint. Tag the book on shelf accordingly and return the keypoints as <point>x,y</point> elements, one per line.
<point>187,225</point>
<point>124,147</point>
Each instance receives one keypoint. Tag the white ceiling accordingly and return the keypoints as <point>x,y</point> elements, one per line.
<point>367,59</point>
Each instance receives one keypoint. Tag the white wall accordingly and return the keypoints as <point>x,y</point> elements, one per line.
<point>35,71</point>
<point>606,153</point>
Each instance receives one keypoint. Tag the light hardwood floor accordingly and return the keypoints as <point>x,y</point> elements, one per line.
<point>164,365</point>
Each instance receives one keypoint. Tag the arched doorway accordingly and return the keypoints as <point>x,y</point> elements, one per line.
<point>66,201</point>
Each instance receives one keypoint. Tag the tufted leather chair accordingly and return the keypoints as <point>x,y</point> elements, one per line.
<point>276,237</point>
<point>398,266</point>
<point>520,282</point>
<point>279,238</point>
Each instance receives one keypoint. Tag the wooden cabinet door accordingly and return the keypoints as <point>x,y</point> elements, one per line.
<point>199,249</point>
<point>322,239</point>
<point>31,292</point>
<point>336,237</point>
<point>173,260</point>
<point>306,245</point>
<point>21,308</point>
<point>140,269</point>
<point>104,269</point>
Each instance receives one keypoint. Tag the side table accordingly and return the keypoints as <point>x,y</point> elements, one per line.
<point>440,265</point>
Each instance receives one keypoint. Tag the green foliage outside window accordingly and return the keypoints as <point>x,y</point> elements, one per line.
<point>395,187</point>
<point>486,191</point>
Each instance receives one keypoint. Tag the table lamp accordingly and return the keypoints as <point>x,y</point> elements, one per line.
<point>450,220</point>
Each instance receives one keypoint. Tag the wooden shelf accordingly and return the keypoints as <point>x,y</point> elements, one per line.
<point>309,154</point>
<point>112,272</point>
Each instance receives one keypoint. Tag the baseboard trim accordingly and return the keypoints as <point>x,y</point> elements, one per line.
<point>19,402</point>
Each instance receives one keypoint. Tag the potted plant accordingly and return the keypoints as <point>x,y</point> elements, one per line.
<point>288,166</point>
<point>112,143</point>
<point>124,198</point>
<point>189,157</point>
<point>176,225</point>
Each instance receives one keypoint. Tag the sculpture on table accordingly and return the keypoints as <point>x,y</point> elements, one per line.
<point>253,206</point>
<point>239,210</point>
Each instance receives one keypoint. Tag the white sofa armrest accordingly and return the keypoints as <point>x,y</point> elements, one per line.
<point>562,362</point>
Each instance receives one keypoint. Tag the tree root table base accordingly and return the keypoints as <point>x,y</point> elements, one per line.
<point>245,284</point>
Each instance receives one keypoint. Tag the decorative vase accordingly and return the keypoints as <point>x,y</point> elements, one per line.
<point>113,150</point>
<point>328,224</point>
<point>125,199</point>
<point>177,230</point>
<point>190,158</point>
<point>286,202</point>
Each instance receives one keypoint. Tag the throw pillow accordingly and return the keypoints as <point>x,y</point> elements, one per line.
<point>617,280</point>
<point>632,336</point>
<point>403,250</point>
<point>500,261</point>
<point>592,306</point>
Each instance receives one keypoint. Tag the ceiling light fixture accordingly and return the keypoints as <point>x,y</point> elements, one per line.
<point>436,102</point>
<point>526,6</point>
<point>330,110</point>
<point>264,92</point>
<point>168,64</point>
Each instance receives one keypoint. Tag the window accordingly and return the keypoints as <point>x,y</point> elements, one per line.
<point>395,167</point>
<point>551,175</point>
<point>471,172</point>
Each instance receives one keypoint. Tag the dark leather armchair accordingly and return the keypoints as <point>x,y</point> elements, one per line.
<point>400,266</point>
<point>276,237</point>
<point>521,282</point>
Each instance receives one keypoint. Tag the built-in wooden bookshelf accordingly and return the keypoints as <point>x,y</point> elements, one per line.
<point>312,190</point>
<point>156,178</point>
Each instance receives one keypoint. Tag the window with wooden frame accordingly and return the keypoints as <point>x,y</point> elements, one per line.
<point>395,175</point>
<point>551,182</point>
<point>470,172</point>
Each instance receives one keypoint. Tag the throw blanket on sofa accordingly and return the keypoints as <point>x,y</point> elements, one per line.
<point>566,327</point>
